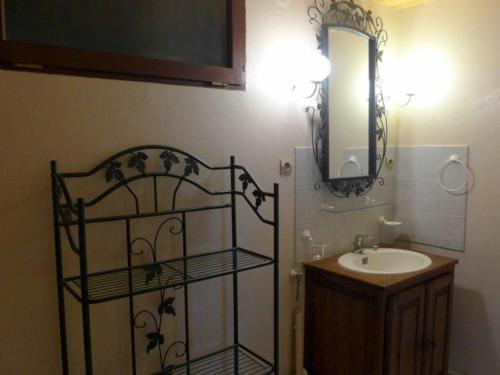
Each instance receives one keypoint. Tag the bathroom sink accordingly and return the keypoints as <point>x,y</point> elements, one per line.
<point>385,261</point>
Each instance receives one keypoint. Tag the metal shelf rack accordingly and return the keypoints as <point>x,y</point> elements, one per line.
<point>159,275</point>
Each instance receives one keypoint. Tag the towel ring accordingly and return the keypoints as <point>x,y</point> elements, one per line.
<point>444,165</point>
<point>351,160</point>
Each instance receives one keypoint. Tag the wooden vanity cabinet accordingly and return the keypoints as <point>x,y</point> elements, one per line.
<point>360,324</point>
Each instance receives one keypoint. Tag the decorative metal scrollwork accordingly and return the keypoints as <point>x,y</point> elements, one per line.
<point>156,339</point>
<point>348,13</point>
<point>258,194</point>
<point>137,160</point>
<point>114,171</point>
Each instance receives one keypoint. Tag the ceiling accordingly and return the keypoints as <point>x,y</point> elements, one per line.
<point>401,4</point>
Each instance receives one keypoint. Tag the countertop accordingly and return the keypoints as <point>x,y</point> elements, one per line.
<point>330,265</point>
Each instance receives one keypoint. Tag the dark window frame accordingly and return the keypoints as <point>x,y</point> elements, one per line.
<point>59,60</point>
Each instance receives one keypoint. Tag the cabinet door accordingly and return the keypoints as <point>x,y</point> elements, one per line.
<point>342,330</point>
<point>437,327</point>
<point>406,332</point>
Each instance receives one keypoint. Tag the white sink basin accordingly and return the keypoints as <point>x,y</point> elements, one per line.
<point>385,261</point>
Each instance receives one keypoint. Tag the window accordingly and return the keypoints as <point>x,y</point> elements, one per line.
<point>198,42</point>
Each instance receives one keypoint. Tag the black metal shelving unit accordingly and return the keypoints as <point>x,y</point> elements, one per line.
<point>159,275</point>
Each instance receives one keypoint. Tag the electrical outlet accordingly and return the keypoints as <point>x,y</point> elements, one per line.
<point>389,163</point>
<point>286,167</point>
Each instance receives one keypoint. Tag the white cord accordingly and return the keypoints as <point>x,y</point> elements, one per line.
<point>351,160</point>
<point>446,163</point>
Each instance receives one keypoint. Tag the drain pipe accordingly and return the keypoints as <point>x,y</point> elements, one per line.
<point>299,325</point>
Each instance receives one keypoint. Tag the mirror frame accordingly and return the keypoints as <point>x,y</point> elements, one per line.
<point>346,14</point>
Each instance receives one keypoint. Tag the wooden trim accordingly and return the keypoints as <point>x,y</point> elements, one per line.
<point>3,27</point>
<point>437,288</point>
<point>121,66</point>
<point>237,33</point>
<point>400,304</point>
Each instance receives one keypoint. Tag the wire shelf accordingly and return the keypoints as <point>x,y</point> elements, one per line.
<point>223,363</point>
<point>124,282</point>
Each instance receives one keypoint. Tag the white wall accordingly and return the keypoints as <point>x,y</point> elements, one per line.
<point>465,34</point>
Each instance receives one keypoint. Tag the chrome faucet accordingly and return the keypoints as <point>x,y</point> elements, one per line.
<point>360,244</point>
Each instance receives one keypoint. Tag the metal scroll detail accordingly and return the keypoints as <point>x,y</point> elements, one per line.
<point>154,323</point>
<point>246,181</point>
<point>348,13</point>
<point>137,161</point>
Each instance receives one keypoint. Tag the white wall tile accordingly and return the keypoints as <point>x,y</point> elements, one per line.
<point>406,231</point>
<point>426,162</point>
<point>427,228</point>
<point>430,214</point>
<point>427,195</point>
<point>405,162</point>
<point>306,171</point>
<point>452,204</point>
<point>451,231</point>
<point>406,193</point>
<point>336,230</point>
<point>307,206</point>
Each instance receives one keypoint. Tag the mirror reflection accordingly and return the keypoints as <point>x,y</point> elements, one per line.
<point>349,103</point>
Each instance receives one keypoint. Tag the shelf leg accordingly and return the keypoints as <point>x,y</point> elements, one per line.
<point>276,280</point>
<point>234,235</point>
<point>186,292</point>
<point>59,271</point>
<point>131,298</point>
<point>85,288</point>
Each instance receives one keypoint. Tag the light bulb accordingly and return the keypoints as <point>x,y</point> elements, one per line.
<point>319,68</point>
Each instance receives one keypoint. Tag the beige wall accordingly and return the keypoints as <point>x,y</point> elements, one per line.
<point>466,34</point>
<point>79,121</point>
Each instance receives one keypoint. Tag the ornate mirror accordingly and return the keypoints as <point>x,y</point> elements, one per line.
<point>349,123</point>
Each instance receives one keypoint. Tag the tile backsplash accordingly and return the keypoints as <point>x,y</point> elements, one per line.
<point>430,214</point>
<point>410,194</point>
<point>336,230</point>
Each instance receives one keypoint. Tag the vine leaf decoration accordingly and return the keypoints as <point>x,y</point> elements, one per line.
<point>138,161</point>
<point>246,180</point>
<point>347,187</point>
<point>191,166</point>
<point>380,55</point>
<point>321,42</point>
<point>155,339</point>
<point>153,270</point>
<point>113,171</point>
<point>167,306</point>
<point>169,159</point>
<point>259,197</point>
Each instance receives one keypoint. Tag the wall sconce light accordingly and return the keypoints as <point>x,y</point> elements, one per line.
<point>287,68</point>
<point>311,71</point>
<point>402,100</point>
<point>425,77</point>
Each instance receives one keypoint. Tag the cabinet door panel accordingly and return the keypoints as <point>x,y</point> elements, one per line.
<point>437,328</point>
<point>341,331</point>
<point>406,332</point>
